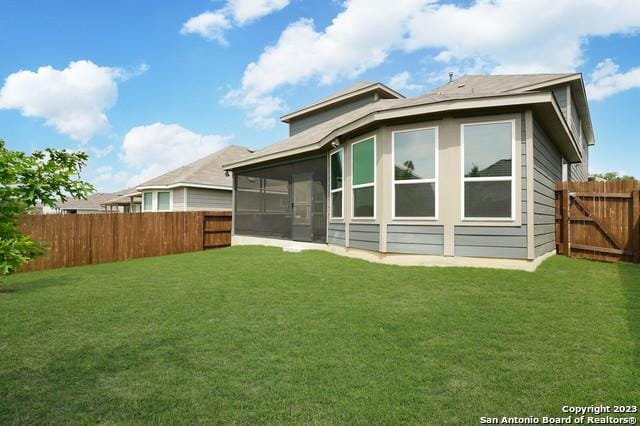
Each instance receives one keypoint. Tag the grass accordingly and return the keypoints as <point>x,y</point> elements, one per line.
<point>255,335</point>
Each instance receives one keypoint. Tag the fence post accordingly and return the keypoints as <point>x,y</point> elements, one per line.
<point>566,249</point>
<point>635,224</point>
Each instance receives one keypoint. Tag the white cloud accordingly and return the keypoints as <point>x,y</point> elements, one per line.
<point>74,100</point>
<point>607,81</point>
<point>402,81</point>
<point>209,25</point>
<point>246,11</point>
<point>212,25</point>
<point>157,148</point>
<point>499,36</point>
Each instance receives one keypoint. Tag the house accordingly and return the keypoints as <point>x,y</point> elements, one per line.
<point>466,170</point>
<point>201,185</point>
<point>128,200</point>
<point>92,205</point>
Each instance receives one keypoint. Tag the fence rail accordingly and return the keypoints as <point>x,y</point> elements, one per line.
<point>75,240</point>
<point>599,220</point>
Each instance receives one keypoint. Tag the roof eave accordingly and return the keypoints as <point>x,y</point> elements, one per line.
<point>407,111</point>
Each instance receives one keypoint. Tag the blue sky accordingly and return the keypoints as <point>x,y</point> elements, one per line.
<point>146,86</point>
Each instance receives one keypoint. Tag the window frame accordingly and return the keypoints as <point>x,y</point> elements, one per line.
<point>341,189</point>
<point>408,181</point>
<point>144,204</point>
<point>512,178</point>
<point>157,199</point>
<point>365,185</point>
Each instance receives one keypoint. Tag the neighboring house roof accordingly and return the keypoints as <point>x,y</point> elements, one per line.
<point>358,89</point>
<point>499,168</point>
<point>93,202</point>
<point>206,172</point>
<point>469,92</point>
<point>123,197</point>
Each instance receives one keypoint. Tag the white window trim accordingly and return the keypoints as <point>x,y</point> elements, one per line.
<point>333,191</point>
<point>512,178</point>
<point>170,209</point>
<point>365,185</point>
<point>408,181</point>
<point>144,205</point>
<point>154,201</point>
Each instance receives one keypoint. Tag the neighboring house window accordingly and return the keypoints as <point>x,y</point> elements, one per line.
<point>488,170</point>
<point>148,201</point>
<point>337,177</point>
<point>363,172</point>
<point>415,169</point>
<point>164,200</point>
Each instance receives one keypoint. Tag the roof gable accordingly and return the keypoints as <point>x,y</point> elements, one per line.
<point>356,90</point>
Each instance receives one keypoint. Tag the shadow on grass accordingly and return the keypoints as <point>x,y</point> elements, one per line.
<point>630,280</point>
<point>93,384</point>
<point>21,286</point>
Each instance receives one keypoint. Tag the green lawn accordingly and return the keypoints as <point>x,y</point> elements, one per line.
<point>256,335</point>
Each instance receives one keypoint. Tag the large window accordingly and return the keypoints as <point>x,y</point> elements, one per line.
<point>147,205</point>
<point>488,170</point>
<point>337,176</point>
<point>164,200</point>
<point>363,172</point>
<point>415,170</point>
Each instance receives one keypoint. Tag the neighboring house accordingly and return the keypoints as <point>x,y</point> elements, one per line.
<point>468,169</point>
<point>128,200</point>
<point>93,204</point>
<point>201,185</point>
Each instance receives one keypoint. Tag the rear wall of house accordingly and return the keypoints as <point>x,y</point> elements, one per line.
<point>548,170</point>
<point>448,234</point>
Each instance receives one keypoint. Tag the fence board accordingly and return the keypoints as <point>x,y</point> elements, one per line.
<point>75,240</point>
<point>599,220</point>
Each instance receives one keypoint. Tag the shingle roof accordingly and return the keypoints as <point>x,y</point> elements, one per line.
<point>124,196</point>
<point>466,87</point>
<point>318,132</point>
<point>477,84</point>
<point>205,171</point>
<point>93,202</point>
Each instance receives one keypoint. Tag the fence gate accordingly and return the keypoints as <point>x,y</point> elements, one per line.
<point>599,220</point>
<point>216,230</point>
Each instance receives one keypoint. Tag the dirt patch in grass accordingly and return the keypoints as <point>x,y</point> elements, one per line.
<point>6,291</point>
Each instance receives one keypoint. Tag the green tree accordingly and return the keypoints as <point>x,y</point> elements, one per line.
<point>44,176</point>
<point>613,176</point>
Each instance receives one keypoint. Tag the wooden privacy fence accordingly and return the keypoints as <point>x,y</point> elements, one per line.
<point>599,220</point>
<point>77,239</point>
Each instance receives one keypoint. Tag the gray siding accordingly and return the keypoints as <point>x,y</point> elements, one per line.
<point>415,239</point>
<point>498,241</point>
<point>491,241</point>
<point>208,199</point>
<point>303,123</point>
<point>178,199</point>
<point>336,234</point>
<point>580,171</point>
<point>560,93</point>
<point>364,236</point>
<point>547,171</point>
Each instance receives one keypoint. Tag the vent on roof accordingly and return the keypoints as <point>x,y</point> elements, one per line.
<point>460,86</point>
<point>450,77</point>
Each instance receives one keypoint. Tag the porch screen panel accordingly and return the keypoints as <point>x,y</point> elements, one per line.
<point>264,199</point>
